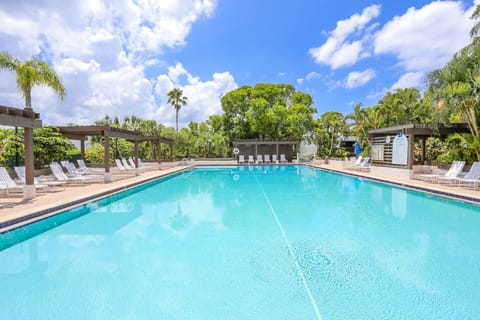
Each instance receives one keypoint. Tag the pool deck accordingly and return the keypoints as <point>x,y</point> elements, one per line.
<point>458,193</point>
<point>14,211</point>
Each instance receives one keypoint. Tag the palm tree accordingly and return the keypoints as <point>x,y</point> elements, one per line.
<point>177,100</point>
<point>31,72</point>
<point>475,31</point>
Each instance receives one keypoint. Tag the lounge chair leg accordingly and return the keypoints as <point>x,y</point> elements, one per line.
<point>29,192</point>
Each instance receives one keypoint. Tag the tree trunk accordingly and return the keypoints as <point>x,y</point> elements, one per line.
<point>28,100</point>
<point>176,117</point>
<point>28,141</point>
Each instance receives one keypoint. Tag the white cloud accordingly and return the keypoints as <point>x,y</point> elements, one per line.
<point>409,80</point>
<point>100,50</point>
<point>337,51</point>
<point>308,77</point>
<point>357,79</point>
<point>312,75</point>
<point>203,97</point>
<point>426,38</point>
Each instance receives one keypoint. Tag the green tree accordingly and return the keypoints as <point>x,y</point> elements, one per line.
<point>330,127</point>
<point>270,111</point>
<point>177,100</point>
<point>456,89</point>
<point>51,145</point>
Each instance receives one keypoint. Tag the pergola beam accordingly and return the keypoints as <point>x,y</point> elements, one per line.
<point>82,132</point>
<point>19,121</point>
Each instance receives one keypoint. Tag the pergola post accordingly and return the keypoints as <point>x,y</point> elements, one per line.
<point>136,156</point>
<point>424,141</point>
<point>159,153</point>
<point>82,149</point>
<point>107,176</point>
<point>410,151</point>
<point>29,188</point>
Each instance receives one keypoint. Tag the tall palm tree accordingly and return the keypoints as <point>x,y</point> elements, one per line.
<point>31,72</point>
<point>177,100</point>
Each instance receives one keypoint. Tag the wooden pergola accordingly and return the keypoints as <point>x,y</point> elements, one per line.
<point>411,131</point>
<point>81,133</point>
<point>29,120</point>
<point>245,145</point>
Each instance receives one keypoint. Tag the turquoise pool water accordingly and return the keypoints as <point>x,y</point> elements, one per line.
<point>249,243</point>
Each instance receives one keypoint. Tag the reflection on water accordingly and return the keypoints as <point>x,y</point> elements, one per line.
<point>399,203</point>
<point>189,211</point>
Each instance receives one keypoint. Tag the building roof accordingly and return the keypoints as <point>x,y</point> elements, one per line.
<point>418,129</point>
<point>263,142</point>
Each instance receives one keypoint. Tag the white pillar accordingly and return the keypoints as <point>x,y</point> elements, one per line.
<point>29,191</point>
<point>107,177</point>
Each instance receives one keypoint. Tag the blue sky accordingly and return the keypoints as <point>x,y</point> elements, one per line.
<point>121,59</point>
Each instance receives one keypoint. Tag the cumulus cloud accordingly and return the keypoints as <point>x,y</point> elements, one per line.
<point>426,38</point>
<point>338,51</point>
<point>359,78</point>
<point>203,96</point>
<point>409,80</point>
<point>100,50</point>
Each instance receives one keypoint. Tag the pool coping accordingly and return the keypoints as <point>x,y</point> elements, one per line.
<point>17,222</point>
<point>406,185</point>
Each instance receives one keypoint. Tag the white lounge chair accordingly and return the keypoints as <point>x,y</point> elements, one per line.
<point>61,176</point>
<point>120,165</point>
<point>64,164</point>
<point>82,168</point>
<point>141,167</point>
<point>455,172</point>
<point>451,172</point>
<point>266,158</point>
<point>7,184</point>
<point>259,158</point>
<point>472,177</point>
<point>73,172</point>
<point>356,163</point>
<point>126,165</point>
<point>274,158</point>
<point>131,162</point>
<point>250,159</point>
<point>283,159</point>
<point>20,171</point>
<point>364,165</point>
<point>241,158</point>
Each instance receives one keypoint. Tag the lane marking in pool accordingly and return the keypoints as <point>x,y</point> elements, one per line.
<point>290,249</point>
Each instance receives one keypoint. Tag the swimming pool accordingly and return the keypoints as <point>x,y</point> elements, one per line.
<point>281,242</point>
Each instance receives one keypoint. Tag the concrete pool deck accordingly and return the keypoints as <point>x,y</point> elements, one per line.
<point>458,193</point>
<point>14,211</point>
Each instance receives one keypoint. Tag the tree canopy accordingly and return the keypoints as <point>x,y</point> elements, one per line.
<point>268,111</point>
